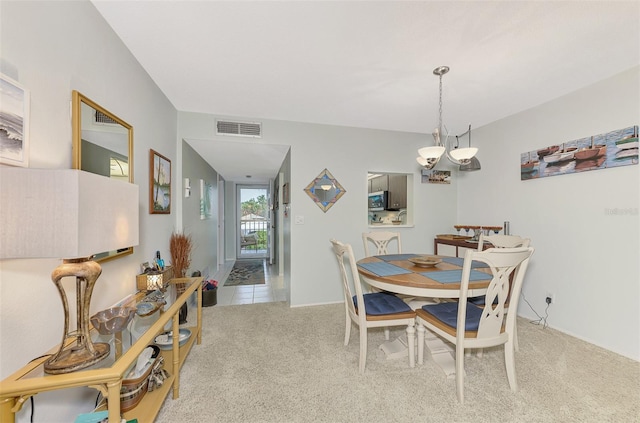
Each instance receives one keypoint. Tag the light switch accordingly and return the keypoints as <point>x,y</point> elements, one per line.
<point>299,220</point>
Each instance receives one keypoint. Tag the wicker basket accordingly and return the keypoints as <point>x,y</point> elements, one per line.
<point>133,390</point>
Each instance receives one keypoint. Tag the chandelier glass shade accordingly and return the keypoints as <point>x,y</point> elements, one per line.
<point>430,156</point>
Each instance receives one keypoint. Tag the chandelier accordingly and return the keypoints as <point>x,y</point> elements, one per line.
<point>463,157</point>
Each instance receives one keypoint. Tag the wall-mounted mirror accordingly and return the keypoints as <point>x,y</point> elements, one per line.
<point>102,144</point>
<point>324,190</point>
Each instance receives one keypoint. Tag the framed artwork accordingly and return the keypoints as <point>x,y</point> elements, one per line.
<point>276,203</point>
<point>436,176</point>
<point>14,123</point>
<point>285,193</point>
<point>159,183</point>
<point>596,152</point>
<point>206,200</point>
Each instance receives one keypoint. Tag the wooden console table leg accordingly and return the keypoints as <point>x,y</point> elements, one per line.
<point>176,356</point>
<point>199,313</point>
<point>6,414</point>
<point>113,401</point>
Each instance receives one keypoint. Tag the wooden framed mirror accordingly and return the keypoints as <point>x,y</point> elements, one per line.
<point>102,144</point>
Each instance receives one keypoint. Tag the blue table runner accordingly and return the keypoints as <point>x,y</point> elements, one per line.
<point>381,268</point>
<point>454,276</point>
<point>459,261</point>
<point>396,257</point>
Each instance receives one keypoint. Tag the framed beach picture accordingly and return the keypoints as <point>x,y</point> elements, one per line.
<point>206,200</point>
<point>14,123</point>
<point>159,183</point>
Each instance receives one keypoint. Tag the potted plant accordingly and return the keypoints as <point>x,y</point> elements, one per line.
<point>180,250</point>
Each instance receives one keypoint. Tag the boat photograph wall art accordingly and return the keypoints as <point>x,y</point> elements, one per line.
<point>612,149</point>
<point>14,123</point>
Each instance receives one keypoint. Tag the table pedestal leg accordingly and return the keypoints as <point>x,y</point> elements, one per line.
<point>441,353</point>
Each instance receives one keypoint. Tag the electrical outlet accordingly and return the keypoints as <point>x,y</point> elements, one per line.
<point>550,298</point>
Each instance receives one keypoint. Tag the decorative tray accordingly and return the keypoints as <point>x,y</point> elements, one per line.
<point>145,308</point>
<point>425,261</point>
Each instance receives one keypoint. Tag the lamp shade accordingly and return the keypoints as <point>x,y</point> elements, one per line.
<point>463,154</point>
<point>433,152</point>
<point>65,213</point>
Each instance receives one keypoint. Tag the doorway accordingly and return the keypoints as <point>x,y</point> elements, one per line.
<point>254,221</point>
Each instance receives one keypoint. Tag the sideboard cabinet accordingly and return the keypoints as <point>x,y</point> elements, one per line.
<point>107,375</point>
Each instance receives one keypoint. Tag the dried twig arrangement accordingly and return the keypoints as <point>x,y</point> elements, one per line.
<point>180,250</point>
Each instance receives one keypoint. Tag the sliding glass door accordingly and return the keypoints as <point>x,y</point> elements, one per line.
<point>254,221</point>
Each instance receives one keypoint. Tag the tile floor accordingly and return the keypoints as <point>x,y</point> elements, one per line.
<point>272,291</point>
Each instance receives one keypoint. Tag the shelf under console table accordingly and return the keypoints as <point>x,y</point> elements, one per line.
<point>107,375</point>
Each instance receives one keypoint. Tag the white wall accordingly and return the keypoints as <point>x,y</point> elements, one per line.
<point>588,258</point>
<point>52,48</point>
<point>348,153</point>
<point>203,232</point>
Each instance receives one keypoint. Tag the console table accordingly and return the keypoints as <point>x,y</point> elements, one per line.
<point>455,246</point>
<point>107,375</point>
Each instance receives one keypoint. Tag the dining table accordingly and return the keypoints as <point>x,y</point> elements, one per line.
<point>425,277</point>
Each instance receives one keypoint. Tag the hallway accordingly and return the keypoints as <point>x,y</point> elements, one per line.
<point>272,291</point>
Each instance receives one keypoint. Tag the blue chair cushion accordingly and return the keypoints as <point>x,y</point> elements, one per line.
<point>380,303</point>
<point>476,300</point>
<point>479,301</point>
<point>448,314</point>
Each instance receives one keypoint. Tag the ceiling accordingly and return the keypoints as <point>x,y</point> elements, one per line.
<point>369,64</point>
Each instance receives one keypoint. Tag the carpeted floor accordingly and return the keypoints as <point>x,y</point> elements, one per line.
<point>246,272</point>
<point>272,363</point>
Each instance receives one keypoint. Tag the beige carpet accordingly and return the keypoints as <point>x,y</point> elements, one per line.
<point>272,363</point>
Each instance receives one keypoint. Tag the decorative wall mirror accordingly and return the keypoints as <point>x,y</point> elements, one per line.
<point>325,190</point>
<point>102,144</point>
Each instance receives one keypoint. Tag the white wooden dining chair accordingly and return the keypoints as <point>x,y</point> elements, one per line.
<point>501,241</point>
<point>468,326</point>
<point>374,310</point>
<point>382,240</point>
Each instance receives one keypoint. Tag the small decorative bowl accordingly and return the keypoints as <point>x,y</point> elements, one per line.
<point>425,261</point>
<point>112,320</point>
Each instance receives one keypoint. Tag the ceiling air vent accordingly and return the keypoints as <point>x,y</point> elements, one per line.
<point>103,119</point>
<point>240,129</point>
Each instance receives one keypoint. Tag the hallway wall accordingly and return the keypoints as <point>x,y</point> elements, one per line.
<point>203,232</point>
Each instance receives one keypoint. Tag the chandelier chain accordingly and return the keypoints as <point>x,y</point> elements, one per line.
<point>440,109</point>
